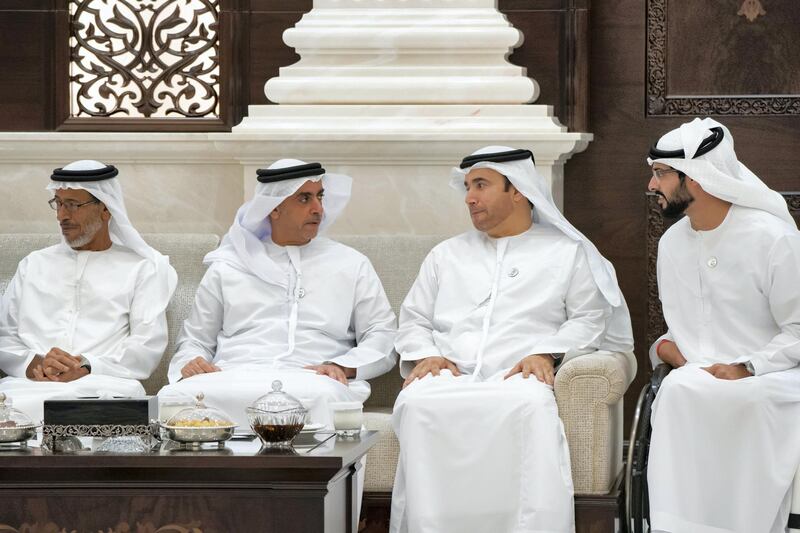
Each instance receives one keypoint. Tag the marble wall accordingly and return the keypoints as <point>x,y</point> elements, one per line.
<point>185,183</point>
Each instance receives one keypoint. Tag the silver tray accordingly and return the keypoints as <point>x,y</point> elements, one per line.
<point>198,435</point>
<point>17,434</point>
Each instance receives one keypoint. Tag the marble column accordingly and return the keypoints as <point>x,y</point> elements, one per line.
<point>395,93</point>
<point>402,52</point>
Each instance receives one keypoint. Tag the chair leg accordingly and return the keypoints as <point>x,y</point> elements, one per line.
<point>794,517</point>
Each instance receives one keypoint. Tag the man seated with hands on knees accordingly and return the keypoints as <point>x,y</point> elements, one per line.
<point>87,316</point>
<point>726,422</point>
<point>488,320</point>
<point>278,302</point>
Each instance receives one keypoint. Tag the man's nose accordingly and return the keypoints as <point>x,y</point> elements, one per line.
<point>653,184</point>
<point>62,213</point>
<point>470,198</point>
<point>316,206</point>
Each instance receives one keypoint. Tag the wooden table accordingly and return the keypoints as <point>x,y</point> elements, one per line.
<point>239,489</point>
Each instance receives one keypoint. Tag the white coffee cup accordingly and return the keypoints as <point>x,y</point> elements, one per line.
<point>348,417</point>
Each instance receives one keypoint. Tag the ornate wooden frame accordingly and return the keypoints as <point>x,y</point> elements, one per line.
<point>233,35</point>
<point>659,103</point>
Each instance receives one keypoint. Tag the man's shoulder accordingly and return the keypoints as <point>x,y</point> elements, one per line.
<point>465,240</point>
<point>122,253</point>
<point>44,259</point>
<point>44,254</point>
<point>224,270</point>
<point>549,235</point>
<point>338,250</point>
<point>763,225</point>
<point>675,232</point>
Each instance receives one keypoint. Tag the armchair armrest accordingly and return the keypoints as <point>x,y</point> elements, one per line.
<point>659,373</point>
<point>588,391</point>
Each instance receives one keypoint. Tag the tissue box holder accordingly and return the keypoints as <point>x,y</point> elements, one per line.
<point>95,417</point>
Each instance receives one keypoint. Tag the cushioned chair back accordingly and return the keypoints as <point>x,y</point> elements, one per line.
<point>186,252</point>
<point>396,259</point>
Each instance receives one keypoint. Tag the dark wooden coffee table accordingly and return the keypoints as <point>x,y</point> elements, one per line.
<point>239,489</point>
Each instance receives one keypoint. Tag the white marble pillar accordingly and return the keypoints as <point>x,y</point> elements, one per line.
<point>395,93</point>
<point>402,52</point>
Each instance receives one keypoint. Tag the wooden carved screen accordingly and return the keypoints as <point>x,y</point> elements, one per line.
<point>722,58</point>
<point>146,65</point>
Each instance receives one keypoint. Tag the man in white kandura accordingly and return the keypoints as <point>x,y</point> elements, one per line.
<point>726,437</point>
<point>489,318</point>
<point>85,317</point>
<point>278,302</point>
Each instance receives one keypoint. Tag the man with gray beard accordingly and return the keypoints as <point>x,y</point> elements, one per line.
<point>87,316</point>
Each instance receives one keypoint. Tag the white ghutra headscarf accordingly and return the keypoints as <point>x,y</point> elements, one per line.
<point>243,245</point>
<point>100,181</point>
<point>703,150</point>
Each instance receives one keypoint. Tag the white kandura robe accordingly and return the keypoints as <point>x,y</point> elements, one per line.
<point>478,453</point>
<point>332,308</point>
<point>723,453</point>
<point>95,304</point>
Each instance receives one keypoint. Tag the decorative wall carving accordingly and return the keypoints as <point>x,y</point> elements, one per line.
<point>751,9</point>
<point>144,58</point>
<point>655,229</point>
<point>793,200</point>
<point>660,103</point>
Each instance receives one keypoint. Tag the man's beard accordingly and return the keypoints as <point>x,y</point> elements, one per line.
<point>677,205</point>
<point>88,234</point>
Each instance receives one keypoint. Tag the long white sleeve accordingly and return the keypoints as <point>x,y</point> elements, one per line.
<point>139,354</point>
<point>15,355</point>
<point>655,360</point>
<point>587,311</point>
<point>783,292</point>
<point>374,324</point>
<point>198,337</point>
<point>414,339</point>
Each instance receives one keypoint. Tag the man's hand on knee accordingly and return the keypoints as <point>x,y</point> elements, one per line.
<point>431,365</point>
<point>541,365</point>
<point>733,371</point>
<point>198,365</point>
<point>334,371</point>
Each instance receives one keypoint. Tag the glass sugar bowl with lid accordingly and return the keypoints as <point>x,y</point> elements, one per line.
<point>276,417</point>
<point>15,426</point>
<point>199,424</point>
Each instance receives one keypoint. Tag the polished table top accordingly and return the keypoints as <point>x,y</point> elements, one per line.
<point>239,461</point>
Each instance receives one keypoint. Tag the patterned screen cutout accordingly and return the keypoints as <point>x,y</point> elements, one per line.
<point>144,58</point>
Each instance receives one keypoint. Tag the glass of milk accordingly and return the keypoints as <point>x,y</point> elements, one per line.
<point>348,417</point>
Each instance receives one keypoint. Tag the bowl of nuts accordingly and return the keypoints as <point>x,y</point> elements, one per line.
<point>15,426</point>
<point>199,424</point>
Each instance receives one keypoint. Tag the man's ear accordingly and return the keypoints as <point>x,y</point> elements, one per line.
<point>105,214</point>
<point>275,214</point>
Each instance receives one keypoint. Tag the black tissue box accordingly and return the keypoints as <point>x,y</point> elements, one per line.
<point>100,412</point>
